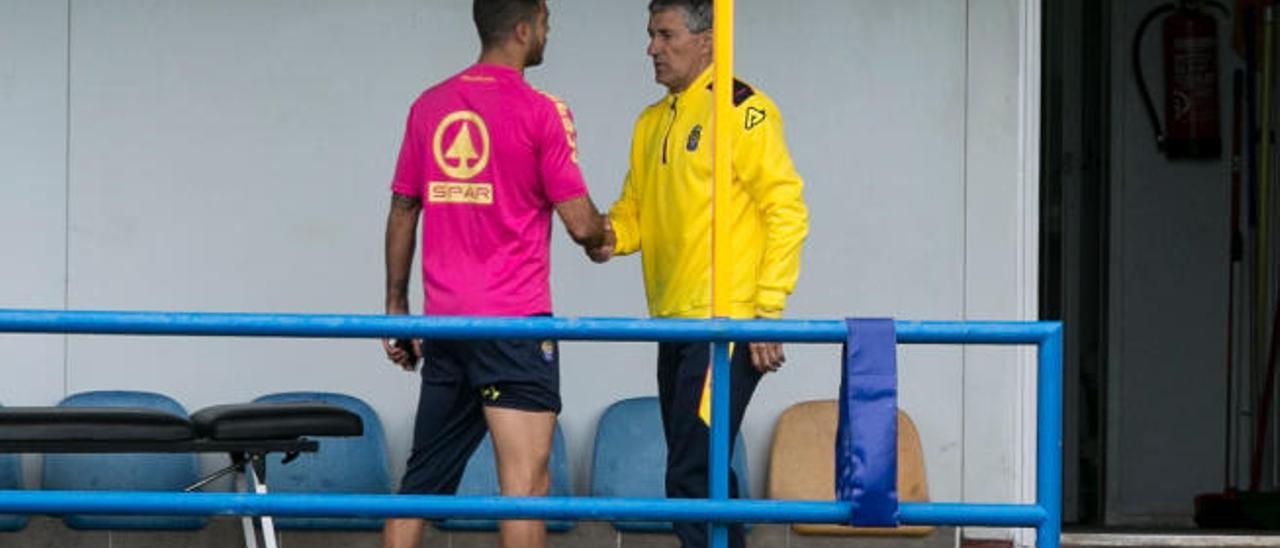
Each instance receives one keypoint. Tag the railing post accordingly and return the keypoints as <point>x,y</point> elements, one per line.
<point>719,454</point>
<point>1049,438</point>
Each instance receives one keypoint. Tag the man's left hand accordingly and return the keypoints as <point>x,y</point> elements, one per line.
<point>767,357</point>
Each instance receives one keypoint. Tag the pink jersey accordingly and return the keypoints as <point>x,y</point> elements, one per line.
<point>489,156</point>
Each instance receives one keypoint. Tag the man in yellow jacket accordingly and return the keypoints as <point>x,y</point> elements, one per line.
<point>665,214</point>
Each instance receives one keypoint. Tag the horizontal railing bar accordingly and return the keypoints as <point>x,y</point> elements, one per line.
<point>958,514</point>
<point>603,329</point>
<point>588,509</point>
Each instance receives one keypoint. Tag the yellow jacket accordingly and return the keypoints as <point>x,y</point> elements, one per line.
<point>665,207</point>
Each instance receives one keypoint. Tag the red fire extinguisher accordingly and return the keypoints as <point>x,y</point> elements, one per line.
<point>1191,105</point>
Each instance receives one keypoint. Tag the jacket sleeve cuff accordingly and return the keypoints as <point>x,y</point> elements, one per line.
<point>624,239</point>
<point>770,302</point>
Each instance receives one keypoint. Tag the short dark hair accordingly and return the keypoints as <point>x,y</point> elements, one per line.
<point>697,13</point>
<point>495,19</point>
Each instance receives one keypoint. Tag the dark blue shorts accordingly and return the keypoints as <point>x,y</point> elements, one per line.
<point>459,379</point>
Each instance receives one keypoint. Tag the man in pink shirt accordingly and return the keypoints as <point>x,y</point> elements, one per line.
<point>485,160</point>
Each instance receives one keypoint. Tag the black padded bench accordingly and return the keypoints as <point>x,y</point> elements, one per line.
<point>246,432</point>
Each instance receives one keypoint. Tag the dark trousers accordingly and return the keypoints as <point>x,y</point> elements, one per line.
<point>682,371</point>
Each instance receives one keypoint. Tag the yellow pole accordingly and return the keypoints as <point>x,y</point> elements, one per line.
<point>721,288</point>
<point>723,167</point>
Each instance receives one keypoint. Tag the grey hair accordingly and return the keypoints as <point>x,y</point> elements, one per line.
<point>697,13</point>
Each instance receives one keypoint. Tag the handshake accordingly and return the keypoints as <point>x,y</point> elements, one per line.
<point>604,250</point>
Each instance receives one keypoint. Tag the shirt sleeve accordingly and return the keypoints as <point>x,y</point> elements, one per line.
<point>763,163</point>
<point>624,216</point>
<point>409,171</point>
<point>558,154</point>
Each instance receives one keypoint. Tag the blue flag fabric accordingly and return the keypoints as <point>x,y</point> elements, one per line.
<point>867,431</point>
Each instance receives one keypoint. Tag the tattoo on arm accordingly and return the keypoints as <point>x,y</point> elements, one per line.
<point>401,231</point>
<point>405,203</point>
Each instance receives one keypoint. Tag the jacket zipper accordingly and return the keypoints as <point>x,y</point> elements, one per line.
<point>667,137</point>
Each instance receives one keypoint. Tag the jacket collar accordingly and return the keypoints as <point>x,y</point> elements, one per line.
<point>702,82</point>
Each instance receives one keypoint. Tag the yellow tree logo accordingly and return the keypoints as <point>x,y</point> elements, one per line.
<point>461,160</point>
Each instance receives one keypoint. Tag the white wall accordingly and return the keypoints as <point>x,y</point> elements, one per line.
<point>1169,253</point>
<point>33,190</point>
<point>1001,238</point>
<point>234,156</point>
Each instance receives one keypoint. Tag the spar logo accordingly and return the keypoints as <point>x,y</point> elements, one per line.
<point>466,156</point>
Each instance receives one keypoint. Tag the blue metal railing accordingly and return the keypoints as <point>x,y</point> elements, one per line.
<point>1044,515</point>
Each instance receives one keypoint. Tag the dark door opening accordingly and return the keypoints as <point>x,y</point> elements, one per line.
<point>1075,190</point>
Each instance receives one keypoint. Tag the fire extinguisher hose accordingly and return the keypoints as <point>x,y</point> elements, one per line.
<point>1143,91</point>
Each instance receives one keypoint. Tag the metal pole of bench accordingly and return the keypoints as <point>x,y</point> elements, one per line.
<point>259,483</point>
<point>247,521</point>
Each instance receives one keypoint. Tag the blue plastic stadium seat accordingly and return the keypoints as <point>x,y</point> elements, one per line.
<point>342,465</point>
<point>123,472</point>
<point>480,479</point>
<point>11,479</point>
<point>630,459</point>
